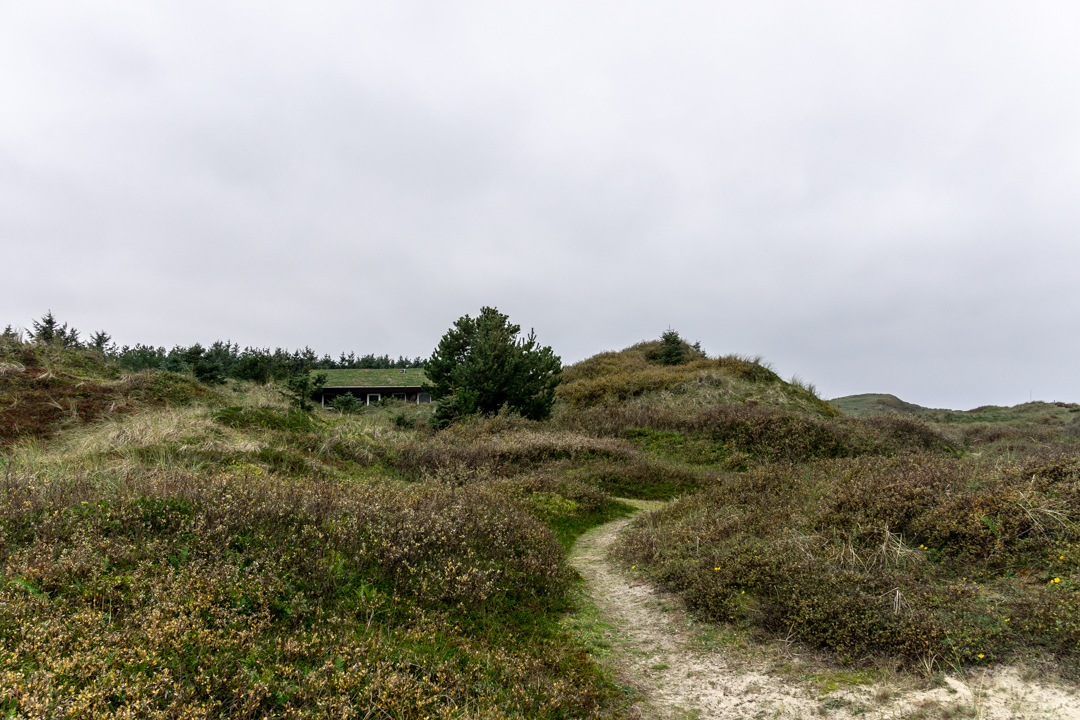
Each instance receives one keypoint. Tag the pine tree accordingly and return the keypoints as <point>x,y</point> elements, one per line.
<point>49,332</point>
<point>101,341</point>
<point>482,365</point>
<point>301,387</point>
<point>10,336</point>
<point>45,331</point>
<point>672,348</point>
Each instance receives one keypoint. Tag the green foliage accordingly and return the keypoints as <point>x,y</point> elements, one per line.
<point>713,434</point>
<point>676,446</point>
<point>482,365</point>
<point>672,349</point>
<point>640,477</point>
<point>102,342</point>
<point>10,336</point>
<point>301,387</point>
<point>49,331</point>
<point>158,387</point>
<point>346,403</point>
<point>264,418</point>
<point>567,506</point>
<point>448,410</point>
<point>224,360</point>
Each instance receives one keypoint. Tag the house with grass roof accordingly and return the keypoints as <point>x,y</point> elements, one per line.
<point>371,386</point>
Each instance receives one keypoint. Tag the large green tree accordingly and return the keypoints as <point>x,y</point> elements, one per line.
<point>482,364</point>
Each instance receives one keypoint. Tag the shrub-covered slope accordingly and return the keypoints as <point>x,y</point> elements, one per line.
<point>221,554</point>
<point>186,550</point>
<point>46,389</point>
<point>922,556</point>
<point>1031,414</point>
<point>637,372</point>
<point>728,412</point>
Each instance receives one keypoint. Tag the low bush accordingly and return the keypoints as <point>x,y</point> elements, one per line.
<point>466,446</point>
<point>640,477</point>
<point>762,433</point>
<point>265,418</point>
<point>918,556</point>
<point>161,387</point>
<point>567,506</point>
<point>978,437</point>
<point>242,594</point>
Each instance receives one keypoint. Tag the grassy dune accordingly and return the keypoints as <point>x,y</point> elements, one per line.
<point>1031,414</point>
<point>173,550</point>
<point>197,552</point>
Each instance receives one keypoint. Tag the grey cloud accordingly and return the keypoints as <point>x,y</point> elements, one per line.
<point>878,199</point>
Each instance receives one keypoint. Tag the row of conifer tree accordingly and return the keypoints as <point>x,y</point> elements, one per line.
<point>213,364</point>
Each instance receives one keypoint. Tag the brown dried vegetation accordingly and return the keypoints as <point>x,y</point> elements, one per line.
<point>46,389</point>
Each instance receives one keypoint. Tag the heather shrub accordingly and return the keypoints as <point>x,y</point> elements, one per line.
<point>917,556</point>
<point>566,505</point>
<point>498,452</point>
<point>244,593</point>
<point>999,437</point>
<point>640,477</point>
<point>717,432</point>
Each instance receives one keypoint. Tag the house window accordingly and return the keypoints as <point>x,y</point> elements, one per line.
<point>373,398</point>
<point>399,396</point>
<point>423,398</point>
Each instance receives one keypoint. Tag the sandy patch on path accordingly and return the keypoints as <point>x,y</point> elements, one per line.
<point>665,655</point>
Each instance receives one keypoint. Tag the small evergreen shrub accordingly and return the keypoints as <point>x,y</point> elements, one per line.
<point>346,403</point>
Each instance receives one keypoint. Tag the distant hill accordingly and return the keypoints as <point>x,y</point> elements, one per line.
<point>1034,413</point>
<point>869,404</point>
<point>636,375</point>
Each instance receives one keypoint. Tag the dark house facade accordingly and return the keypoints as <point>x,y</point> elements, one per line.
<point>372,386</point>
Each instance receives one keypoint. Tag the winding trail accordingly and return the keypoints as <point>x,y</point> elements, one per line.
<point>684,668</point>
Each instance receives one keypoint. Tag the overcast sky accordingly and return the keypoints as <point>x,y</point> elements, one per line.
<point>876,196</point>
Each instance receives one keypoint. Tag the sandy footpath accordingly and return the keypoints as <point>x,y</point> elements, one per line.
<point>666,656</point>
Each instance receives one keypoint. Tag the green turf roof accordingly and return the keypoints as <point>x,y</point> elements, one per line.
<point>373,378</point>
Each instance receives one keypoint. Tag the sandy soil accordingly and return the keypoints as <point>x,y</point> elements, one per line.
<point>688,669</point>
